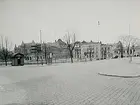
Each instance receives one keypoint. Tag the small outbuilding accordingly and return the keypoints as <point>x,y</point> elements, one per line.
<point>17,59</point>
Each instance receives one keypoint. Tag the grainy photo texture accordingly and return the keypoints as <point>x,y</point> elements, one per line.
<point>69,52</point>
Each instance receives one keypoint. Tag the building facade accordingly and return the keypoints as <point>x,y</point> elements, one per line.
<point>91,50</point>
<point>58,49</point>
<point>106,51</point>
<point>55,49</point>
<point>94,50</point>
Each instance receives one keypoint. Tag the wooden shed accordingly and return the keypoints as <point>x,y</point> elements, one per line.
<point>18,59</point>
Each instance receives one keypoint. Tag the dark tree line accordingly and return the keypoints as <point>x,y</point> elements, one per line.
<point>5,53</point>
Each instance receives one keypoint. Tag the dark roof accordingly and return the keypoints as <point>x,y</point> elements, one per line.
<point>84,41</point>
<point>77,42</point>
<point>15,54</point>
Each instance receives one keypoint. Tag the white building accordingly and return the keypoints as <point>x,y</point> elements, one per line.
<point>88,50</point>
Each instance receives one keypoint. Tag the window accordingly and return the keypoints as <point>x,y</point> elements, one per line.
<point>27,58</point>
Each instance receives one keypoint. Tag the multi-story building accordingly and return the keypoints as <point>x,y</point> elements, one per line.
<point>25,48</point>
<point>91,50</point>
<point>56,49</point>
<point>106,51</point>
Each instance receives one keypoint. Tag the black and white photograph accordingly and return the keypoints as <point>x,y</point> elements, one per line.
<point>69,52</point>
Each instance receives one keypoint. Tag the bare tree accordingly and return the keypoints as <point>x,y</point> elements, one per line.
<point>129,42</point>
<point>6,46</point>
<point>70,39</point>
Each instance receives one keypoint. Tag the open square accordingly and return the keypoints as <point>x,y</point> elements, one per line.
<point>71,84</point>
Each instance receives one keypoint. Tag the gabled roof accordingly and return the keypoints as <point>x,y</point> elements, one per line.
<point>84,41</point>
<point>15,54</point>
<point>77,42</point>
<point>87,43</point>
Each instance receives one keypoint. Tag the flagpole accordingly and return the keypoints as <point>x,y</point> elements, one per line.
<point>98,30</point>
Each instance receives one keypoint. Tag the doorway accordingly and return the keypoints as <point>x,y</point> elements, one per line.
<point>19,61</point>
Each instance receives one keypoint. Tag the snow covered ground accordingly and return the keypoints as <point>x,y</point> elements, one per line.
<point>68,84</point>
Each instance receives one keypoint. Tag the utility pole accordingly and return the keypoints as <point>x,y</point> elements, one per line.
<point>99,39</point>
<point>40,36</point>
<point>41,47</point>
<point>129,35</point>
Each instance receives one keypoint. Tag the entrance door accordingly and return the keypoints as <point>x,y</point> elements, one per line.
<point>19,61</point>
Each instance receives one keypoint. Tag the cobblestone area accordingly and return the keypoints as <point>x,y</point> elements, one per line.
<point>75,87</point>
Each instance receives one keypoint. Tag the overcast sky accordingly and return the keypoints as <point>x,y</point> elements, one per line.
<point>22,19</point>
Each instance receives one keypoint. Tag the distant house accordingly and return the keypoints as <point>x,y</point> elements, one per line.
<point>17,59</point>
